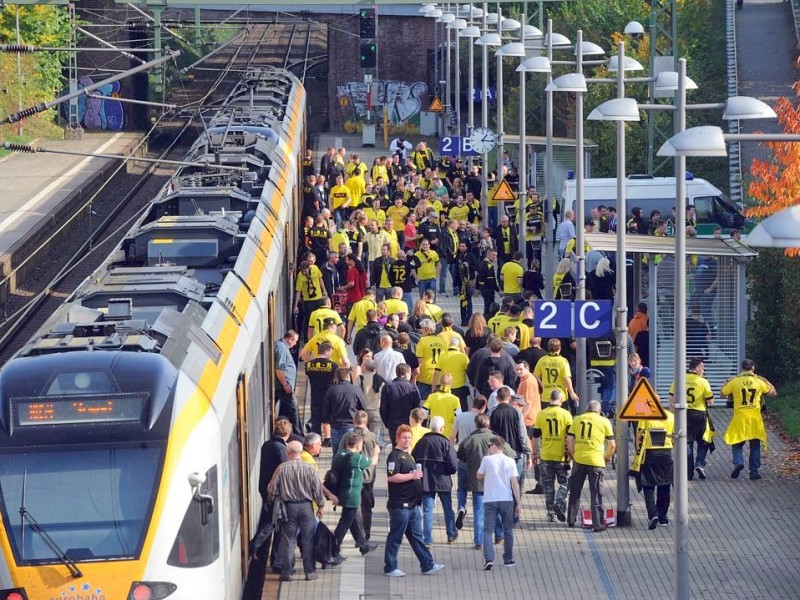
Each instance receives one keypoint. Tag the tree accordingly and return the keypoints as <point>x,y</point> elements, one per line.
<point>776,182</point>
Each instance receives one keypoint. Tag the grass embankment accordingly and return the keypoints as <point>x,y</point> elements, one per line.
<point>786,407</point>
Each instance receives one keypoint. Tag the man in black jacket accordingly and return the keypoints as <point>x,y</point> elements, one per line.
<point>439,463</point>
<point>369,336</point>
<point>273,453</point>
<point>340,405</point>
<point>467,268</point>
<point>505,238</point>
<point>448,251</point>
<point>481,364</point>
<point>320,372</point>
<point>380,273</point>
<point>508,422</point>
<point>398,398</point>
<point>486,280</point>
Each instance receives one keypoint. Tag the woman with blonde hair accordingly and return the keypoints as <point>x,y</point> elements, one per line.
<point>563,281</point>
<point>476,334</point>
<point>419,313</point>
<point>601,281</point>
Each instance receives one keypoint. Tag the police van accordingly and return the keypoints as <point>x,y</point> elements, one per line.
<point>713,208</point>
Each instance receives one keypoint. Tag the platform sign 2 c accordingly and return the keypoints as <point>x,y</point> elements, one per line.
<point>455,146</point>
<point>582,318</point>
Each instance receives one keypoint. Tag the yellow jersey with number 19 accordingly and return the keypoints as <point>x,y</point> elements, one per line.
<point>552,370</point>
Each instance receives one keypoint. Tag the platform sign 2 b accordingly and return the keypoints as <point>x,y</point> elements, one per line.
<point>582,318</point>
<point>455,146</point>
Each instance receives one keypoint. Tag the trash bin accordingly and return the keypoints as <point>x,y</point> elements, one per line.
<point>368,136</point>
<point>593,380</point>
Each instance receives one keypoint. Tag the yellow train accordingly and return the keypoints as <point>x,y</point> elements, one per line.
<point>130,425</point>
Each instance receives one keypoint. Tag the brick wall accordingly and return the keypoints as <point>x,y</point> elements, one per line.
<point>405,46</point>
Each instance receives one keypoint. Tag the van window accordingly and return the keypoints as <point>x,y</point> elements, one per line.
<point>704,209</point>
<point>712,209</point>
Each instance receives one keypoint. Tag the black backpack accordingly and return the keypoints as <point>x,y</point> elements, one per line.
<point>331,482</point>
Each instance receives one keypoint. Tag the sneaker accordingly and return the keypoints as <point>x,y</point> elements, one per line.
<point>311,576</point>
<point>335,561</point>
<point>599,528</point>
<point>366,549</point>
<point>462,512</point>
<point>663,521</point>
<point>326,443</point>
<point>570,524</point>
<point>477,546</point>
<point>395,573</point>
<point>736,470</point>
<point>551,518</point>
<point>755,476</point>
<point>560,514</point>
<point>701,472</point>
<point>653,523</point>
<point>434,569</point>
<point>510,563</point>
<point>498,540</point>
<point>487,566</point>
<point>286,577</point>
<point>452,540</point>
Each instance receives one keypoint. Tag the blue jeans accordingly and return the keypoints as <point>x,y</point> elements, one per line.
<point>425,284</point>
<point>505,510</point>
<point>428,500</point>
<point>408,522</point>
<point>755,455</point>
<point>477,519</point>
<point>521,470</point>
<point>608,385</point>
<point>424,389</point>
<point>461,490</point>
<point>409,300</point>
<point>337,433</point>
<point>383,293</point>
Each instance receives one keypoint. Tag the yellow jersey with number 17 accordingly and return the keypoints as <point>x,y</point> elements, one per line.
<point>746,390</point>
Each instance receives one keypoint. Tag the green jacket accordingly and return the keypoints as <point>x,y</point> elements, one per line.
<point>349,467</point>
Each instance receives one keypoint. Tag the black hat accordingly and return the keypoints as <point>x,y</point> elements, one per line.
<point>329,321</point>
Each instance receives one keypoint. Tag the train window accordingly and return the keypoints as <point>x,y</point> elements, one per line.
<point>94,503</point>
<point>197,545</point>
<point>82,382</point>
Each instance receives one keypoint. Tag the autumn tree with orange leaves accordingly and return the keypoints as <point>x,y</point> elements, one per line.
<point>774,277</point>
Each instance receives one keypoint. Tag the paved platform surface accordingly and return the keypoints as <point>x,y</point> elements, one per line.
<point>34,185</point>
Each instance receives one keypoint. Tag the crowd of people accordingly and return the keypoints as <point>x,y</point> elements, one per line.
<point>391,373</point>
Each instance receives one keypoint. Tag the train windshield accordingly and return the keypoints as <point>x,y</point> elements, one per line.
<point>93,503</point>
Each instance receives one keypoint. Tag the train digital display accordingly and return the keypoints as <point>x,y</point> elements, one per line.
<point>69,410</point>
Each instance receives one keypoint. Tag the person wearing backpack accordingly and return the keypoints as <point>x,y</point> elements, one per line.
<point>369,448</point>
<point>349,465</point>
<point>369,336</point>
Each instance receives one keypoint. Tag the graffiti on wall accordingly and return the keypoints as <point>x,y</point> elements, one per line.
<point>104,113</point>
<point>403,102</point>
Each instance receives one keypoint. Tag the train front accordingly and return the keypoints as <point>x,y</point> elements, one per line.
<point>83,437</point>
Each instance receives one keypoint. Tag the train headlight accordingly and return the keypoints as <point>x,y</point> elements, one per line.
<point>151,590</point>
<point>13,594</point>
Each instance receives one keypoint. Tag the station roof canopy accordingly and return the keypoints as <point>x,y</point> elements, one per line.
<point>540,140</point>
<point>651,244</point>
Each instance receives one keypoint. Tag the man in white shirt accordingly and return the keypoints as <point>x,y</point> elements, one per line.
<point>500,498</point>
<point>387,359</point>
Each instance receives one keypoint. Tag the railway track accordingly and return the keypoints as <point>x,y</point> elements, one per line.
<point>114,208</point>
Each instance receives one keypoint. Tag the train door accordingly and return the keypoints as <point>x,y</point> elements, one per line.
<point>270,375</point>
<point>244,470</point>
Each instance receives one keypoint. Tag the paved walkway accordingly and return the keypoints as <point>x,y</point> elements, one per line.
<point>744,535</point>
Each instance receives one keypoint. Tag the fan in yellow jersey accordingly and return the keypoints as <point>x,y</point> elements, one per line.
<point>358,313</point>
<point>698,397</point>
<point>416,420</point>
<point>328,334</point>
<point>316,322</point>
<point>398,213</point>
<point>448,333</point>
<point>554,373</point>
<point>341,200</point>
<point>443,403</point>
<point>550,435</point>
<point>498,322</point>
<point>429,348</point>
<point>511,275</point>
<point>454,362</point>
<point>654,461</point>
<point>357,186</point>
<point>588,435</point>
<point>309,288</point>
<point>747,425</point>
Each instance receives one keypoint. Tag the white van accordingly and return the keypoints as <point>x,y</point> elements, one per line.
<point>713,208</point>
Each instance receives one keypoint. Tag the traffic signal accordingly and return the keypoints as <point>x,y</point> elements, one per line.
<point>366,23</point>
<point>368,55</point>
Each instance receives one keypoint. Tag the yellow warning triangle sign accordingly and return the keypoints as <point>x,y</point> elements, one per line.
<point>642,404</point>
<point>502,192</point>
<point>436,105</point>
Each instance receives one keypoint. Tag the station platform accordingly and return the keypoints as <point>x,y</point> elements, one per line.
<point>36,186</point>
<point>744,542</point>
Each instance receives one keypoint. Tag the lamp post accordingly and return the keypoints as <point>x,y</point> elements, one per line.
<point>457,25</point>
<point>576,82</point>
<point>447,18</point>
<point>471,32</point>
<point>484,41</point>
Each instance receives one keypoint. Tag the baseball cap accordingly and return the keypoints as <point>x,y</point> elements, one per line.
<point>328,321</point>
<point>517,399</point>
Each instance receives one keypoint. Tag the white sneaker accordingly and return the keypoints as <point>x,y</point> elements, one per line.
<point>436,567</point>
<point>395,573</point>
